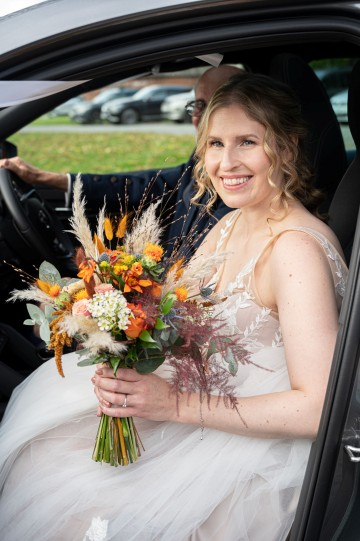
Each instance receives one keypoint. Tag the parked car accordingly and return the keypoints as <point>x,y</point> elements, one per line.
<point>95,47</point>
<point>144,105</point>
<point>173,107</point>
<point>339,103</point>
<point>65,109</point>
<point>87,112</point>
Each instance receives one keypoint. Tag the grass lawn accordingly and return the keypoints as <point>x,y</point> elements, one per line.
<point>101,152</point>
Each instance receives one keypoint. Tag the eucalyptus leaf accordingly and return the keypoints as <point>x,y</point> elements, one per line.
<point>29,322</point>
<point>164,336</point>
<point>89,362</point>
<point>233,365</point>
<point>36,314</point>
<point>173,336</point>
<point>82,352</point>
<point>44,332</point>
<point>48,273</point>
<point>67,281</point>
<point>48,311</point>
<point>212,348</point>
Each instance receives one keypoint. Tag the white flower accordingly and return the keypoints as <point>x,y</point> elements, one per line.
<point>110,310</point>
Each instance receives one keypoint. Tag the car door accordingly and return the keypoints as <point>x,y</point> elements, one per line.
<point>329,504</point>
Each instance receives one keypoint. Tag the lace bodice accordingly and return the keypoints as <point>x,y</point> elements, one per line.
<point>258,325</point>
<point>245,276</point>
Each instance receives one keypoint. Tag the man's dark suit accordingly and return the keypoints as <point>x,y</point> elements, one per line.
<point>175,185</point>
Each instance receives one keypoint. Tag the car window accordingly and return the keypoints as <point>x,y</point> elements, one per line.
<point>335,76</point>
<point>159,94</point>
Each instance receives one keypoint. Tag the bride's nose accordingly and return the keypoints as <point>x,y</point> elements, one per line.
<point>229,159</point>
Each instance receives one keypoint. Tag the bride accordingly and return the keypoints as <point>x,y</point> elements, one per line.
<point>210,472</point>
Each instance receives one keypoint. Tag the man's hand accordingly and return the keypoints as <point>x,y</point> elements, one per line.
<point>33,175</point>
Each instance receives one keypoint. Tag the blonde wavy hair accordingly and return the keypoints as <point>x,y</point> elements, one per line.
<point>275,106</point>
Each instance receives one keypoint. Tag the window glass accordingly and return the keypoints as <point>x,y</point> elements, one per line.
<point>335,76</point>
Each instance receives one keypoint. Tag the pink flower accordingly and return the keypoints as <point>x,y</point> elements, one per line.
<point>103,288</point>
<point>80,308</point>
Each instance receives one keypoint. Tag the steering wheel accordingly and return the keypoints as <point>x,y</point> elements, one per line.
<point>36,224</point>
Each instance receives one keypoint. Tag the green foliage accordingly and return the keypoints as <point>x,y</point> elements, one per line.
<point>40,318</point>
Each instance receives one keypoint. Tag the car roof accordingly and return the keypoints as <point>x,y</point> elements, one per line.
<point>96,47</point>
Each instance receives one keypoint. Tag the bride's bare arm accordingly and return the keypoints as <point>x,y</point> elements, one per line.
<point>304,292</point>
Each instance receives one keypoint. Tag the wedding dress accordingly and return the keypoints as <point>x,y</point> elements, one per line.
<point>223,487</point>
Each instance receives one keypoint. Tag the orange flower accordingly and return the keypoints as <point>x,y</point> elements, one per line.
<point>156,289</point>
<point>87,269</point>
<point>137,269</point>
<point>138,322</point>
<point>133,283</point>
<point>54,290</point>
<point>50,289</point>
<point>181,293</point>
<point>154,251</point>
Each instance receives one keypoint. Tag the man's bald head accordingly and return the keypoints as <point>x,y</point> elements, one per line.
<point>210,81</point>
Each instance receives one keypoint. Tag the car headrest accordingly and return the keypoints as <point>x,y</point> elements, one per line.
<point>326,147</point>
<point>344,208</point>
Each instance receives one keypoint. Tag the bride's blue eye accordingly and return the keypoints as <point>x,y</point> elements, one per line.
<point>247,142</point>
<point>215,143</point>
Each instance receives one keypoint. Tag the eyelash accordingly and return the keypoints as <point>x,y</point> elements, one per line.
<point>214,143</point>
<point>217,143</point>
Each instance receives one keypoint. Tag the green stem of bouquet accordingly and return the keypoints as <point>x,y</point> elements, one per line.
<point>117,441</point>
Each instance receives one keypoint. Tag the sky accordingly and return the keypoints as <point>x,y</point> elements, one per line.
<point>10,6</point>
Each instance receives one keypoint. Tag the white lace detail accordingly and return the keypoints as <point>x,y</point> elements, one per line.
<point>252,330</point>
<point>259,326</point>
<point>223,234</point>
<point>238,283</point>
<point>278,340</point>
<point>338,267</point>
<point>97,531</point>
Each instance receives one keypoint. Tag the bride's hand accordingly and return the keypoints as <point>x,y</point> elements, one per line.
<point>133,394</point>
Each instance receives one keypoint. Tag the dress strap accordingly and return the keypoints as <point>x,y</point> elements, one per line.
<point>224,234</point>
<point>337,265</point>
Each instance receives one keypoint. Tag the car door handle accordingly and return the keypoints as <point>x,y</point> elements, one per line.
<point>353,452</point>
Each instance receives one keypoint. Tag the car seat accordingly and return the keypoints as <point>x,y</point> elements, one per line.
<point>344,207</point>
<point>18,357</point>
<point>326,147</point>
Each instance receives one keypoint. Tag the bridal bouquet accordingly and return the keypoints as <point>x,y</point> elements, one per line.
<point>130,307</point>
